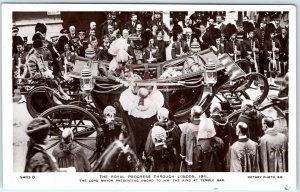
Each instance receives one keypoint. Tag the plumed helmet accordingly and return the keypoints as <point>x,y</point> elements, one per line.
<point>38,129</point>
<point>40,27</point>
<point>229,30</point>
<point>248,27</point>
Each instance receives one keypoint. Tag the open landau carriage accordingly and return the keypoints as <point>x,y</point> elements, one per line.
<point>184,82</point>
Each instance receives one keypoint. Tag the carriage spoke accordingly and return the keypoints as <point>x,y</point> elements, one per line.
<point>52,145</point>
<point>85,146</point>
<point>88,130</point>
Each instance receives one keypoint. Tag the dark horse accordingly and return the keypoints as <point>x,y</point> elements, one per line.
<point>118,157</point>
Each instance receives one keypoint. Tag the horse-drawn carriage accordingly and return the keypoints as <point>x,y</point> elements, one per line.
<point>195,79</point>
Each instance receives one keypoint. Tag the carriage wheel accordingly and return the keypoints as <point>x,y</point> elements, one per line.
<point>262,91</point>
<point>39,100</point>
<point>81,122</point>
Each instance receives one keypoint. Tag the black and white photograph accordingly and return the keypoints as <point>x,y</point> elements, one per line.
<point>158,90</point>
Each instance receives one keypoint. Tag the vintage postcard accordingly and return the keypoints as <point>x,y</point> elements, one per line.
<point>103,96</point>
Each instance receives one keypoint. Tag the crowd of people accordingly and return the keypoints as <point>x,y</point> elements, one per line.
<point>204,144</point>
<point>144,38</point>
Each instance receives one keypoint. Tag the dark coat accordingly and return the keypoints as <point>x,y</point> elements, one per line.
<point>38,160</point>
<point>208,155</point>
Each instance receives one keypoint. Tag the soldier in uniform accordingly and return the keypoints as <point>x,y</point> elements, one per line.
<point>232,45</point>
<point>215,38</point>
<point>272,49</point>
<point>250,48</point>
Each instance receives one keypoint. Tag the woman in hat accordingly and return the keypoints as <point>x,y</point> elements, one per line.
<point>37,158</point>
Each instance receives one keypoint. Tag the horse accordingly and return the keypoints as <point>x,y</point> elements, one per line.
<point>118,157</point>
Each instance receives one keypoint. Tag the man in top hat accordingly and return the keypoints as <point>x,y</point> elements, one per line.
<point>37,158</point>
<point>78,49</point>
<point>82,38</point>
<point>251,47</point>
<point>273,148</point>
<point>69,154</point>
<point>243,155</point>
<point>272,48</point>
<point>232,45</point>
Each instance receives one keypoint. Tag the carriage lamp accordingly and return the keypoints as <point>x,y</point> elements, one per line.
<point>86,79</point>
<point>210,73</point>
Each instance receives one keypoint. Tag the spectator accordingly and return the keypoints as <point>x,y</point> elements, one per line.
<point>37,158</point>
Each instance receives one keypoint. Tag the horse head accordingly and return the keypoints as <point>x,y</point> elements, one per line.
<point>118,157</point>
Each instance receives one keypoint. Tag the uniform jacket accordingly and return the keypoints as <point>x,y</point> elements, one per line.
<point>229,47</point>
<point>248,46</point>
